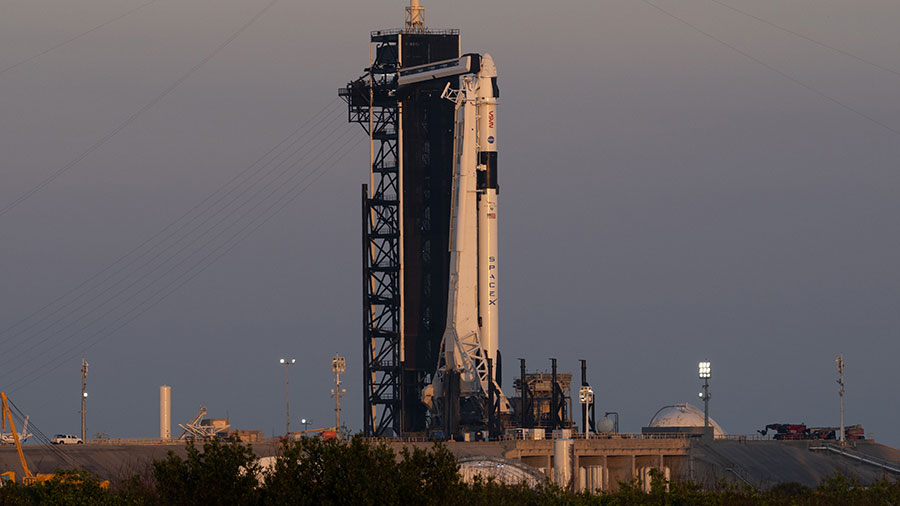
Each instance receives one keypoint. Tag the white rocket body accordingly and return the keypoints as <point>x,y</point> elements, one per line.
<point>471,335</point>
<point>488,280</point>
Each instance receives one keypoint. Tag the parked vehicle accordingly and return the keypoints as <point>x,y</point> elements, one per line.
<point>787,431</point>
<point>67,439</point>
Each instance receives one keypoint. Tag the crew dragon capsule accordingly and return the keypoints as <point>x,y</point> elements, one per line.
<point>471,335</point>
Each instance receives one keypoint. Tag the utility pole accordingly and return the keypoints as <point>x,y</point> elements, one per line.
<point>840,381</point>
<point>287,396</point>
<point>84,373</point>
<point>338,366</point>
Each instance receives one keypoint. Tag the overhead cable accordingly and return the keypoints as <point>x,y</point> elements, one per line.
<point>808,38</point>
<point>134,116</point>
<point>168,265</point>
<point>773,69</point>
<point>73,39</point>
<point>243,182</point>
<point>164,292</point>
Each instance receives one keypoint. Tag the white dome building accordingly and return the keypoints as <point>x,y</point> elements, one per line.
<point>683,415</point>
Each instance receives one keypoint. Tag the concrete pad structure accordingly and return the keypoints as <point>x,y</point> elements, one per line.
<point>112,462</point>
<point>596,464</point>
<point>593,464</point>
<point>600,464</point>
<point>762,464</point>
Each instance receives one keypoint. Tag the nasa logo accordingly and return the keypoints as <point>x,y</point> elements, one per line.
<point>491,139</point>
<point>491,119</point>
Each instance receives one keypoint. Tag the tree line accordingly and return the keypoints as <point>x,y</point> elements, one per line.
<point>313,471</point>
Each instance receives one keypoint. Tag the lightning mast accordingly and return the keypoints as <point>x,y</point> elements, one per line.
<point>415,17</point>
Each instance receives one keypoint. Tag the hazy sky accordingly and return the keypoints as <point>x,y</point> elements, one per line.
<point>672,190</point>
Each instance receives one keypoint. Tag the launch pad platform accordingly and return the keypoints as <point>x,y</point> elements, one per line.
<point>598,463</point>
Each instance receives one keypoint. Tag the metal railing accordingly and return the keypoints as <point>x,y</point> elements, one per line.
<point>136,441</point>
<point>162,442</point>
<point>427,31</point>
<point>742,437</point>
<point>598,437</point>
<point>861,457</point>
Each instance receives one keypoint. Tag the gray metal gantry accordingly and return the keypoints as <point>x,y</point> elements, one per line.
<point>372,103</point>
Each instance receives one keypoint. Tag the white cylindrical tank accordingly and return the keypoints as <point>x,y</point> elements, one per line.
<point>591,479</point>
<point>562,462</point>
<point>165,412</point>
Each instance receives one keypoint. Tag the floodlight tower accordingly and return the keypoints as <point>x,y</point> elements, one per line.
<point>705,373</point>
<point>586,397</point>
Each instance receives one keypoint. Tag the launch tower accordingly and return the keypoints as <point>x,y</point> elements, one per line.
<point>405,221</point>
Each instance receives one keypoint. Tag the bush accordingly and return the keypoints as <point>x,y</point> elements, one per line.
<point>66,488</point>
<point>334,472</point>
<point>223,474</point>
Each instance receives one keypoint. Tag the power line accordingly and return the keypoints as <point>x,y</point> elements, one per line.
<point>41,436</point>
<point>773,69</point>
<point>121,297</point>
<point>194,239</point>
<point>197,208</point>
<point>73,39</point>
<point>174,229</point>
<point>131,119</point>
<point>164,292</point>
<point>808,39</point>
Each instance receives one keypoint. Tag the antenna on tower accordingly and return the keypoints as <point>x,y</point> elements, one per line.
<point>338,367</point>
<point>415,17</point>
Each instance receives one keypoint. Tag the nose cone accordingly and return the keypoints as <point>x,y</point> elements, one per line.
<point>488,69</point>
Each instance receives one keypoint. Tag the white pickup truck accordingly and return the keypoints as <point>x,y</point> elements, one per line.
<point>67,439</point>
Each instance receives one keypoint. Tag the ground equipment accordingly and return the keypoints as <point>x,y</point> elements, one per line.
<point>786,431</point>
<point>324,433</point>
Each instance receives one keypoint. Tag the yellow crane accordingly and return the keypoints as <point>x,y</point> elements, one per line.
<point>29,478</point>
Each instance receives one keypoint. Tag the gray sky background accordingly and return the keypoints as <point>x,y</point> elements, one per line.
<point>665,198</point>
